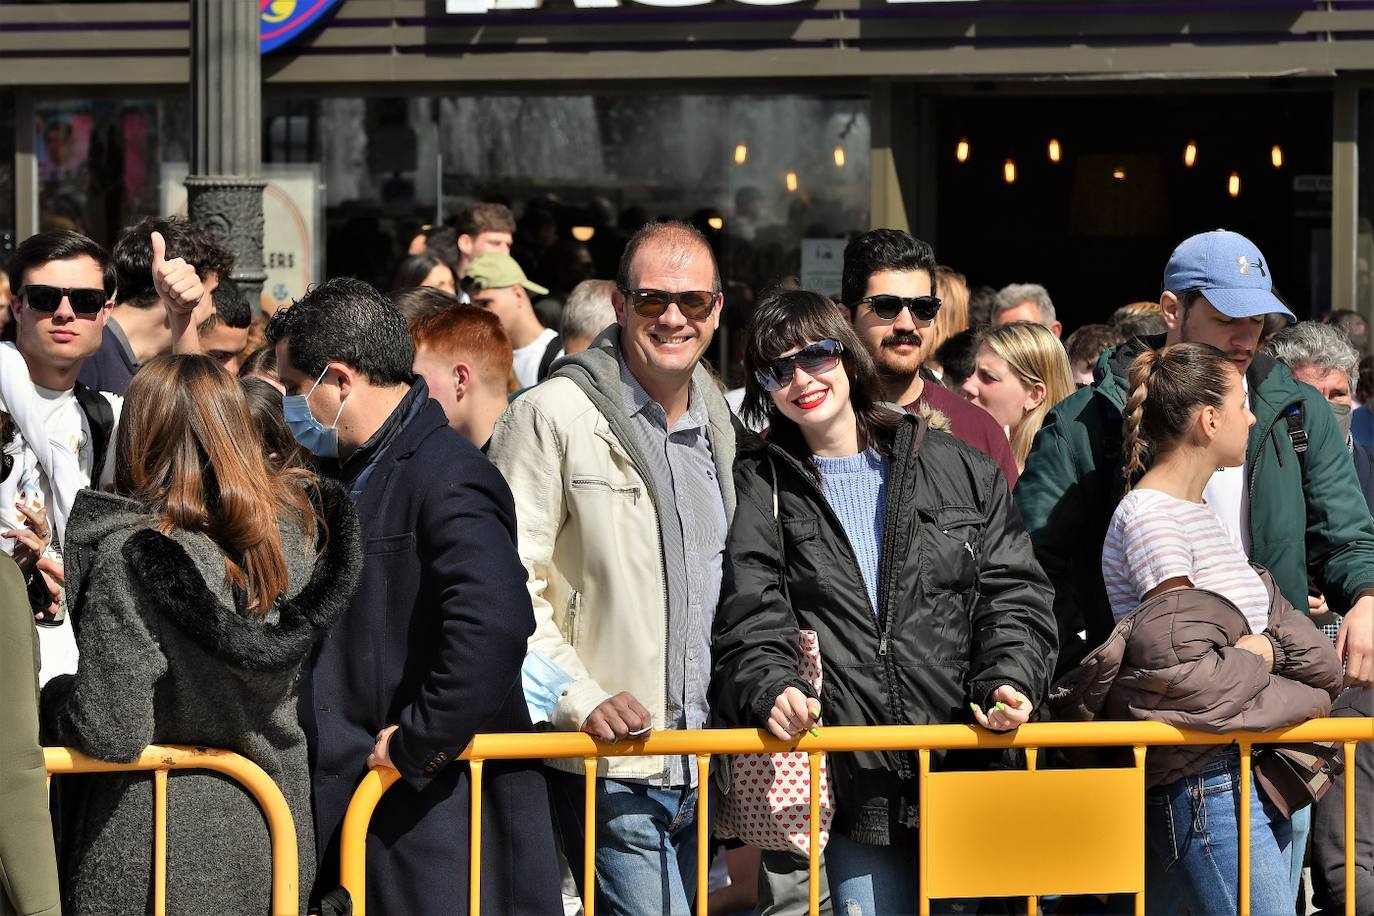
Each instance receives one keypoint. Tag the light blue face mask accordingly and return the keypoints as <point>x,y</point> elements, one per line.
<point>314,436</point>
<point>543,682</point>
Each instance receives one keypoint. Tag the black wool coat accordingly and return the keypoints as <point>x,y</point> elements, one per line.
<point>433,643</point>
<point>964,608</point>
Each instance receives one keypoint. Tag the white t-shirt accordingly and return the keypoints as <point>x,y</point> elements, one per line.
<point>1155,537</point>
<point>1225,493</point>
<point>527,358</point>
<point>65,422</point>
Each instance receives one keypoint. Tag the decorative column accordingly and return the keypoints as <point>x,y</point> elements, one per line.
<point>224,189</point>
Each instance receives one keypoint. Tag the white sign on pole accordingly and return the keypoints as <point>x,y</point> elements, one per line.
<point>291,249</point>
<point>822,264</point>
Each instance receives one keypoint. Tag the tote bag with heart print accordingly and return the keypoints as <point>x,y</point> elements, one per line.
<point>768,800</point>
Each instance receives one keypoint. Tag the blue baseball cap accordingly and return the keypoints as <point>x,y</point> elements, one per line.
<point>1229,270</point>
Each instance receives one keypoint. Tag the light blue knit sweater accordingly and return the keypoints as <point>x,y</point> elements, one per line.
<point>856,488</point>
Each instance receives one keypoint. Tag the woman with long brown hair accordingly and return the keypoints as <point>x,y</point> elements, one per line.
<point>197,589</point>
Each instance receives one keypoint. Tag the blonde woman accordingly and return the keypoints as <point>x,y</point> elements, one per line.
<point>952,318</point>
<point>1020,372</point>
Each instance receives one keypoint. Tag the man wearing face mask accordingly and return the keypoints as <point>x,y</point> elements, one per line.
<point>431,648</point>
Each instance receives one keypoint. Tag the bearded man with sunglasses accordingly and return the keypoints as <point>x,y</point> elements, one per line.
<point>888,284</point>
<point>621,468</point>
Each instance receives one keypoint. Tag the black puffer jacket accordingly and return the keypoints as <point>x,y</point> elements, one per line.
<point>964,609</point>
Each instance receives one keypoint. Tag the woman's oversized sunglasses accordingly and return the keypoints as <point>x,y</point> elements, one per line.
<point>821,356</point>
<point>695,304</point>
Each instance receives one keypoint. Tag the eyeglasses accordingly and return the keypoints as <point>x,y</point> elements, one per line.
<point>695,304</point>
<point>85,302</point>
<point>923,308</point>
<point>814,359</point>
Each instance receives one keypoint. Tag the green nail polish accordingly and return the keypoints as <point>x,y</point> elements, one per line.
<point>1001,706</point>
<point>975,708</point>
<point>814,732</point>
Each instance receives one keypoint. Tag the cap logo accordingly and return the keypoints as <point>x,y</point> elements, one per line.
<point>1245,265</point>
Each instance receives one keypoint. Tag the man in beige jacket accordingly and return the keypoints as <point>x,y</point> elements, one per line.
<point>620,465</point>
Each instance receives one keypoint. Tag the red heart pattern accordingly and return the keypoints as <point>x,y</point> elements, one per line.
<point>769,803</point>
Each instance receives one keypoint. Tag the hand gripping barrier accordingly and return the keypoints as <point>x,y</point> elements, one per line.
<point>1076,831</point>
<point>162,759</point>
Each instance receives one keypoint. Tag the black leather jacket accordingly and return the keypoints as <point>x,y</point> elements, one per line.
<point>964,608</point>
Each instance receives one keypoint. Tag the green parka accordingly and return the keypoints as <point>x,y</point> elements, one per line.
<point>1305,516</point>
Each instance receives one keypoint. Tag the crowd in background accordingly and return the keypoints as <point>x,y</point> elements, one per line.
<point>540,486</point>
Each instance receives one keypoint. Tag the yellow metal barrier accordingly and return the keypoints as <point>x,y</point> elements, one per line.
<point>1094,816</point>
<point>161,759</point>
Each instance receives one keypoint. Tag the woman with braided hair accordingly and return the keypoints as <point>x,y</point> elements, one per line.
<point>1203,640</point>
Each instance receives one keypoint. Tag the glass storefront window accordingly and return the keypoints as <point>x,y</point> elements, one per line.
<point>7,188</point>
<point>100,161</point>
<point>757,173</point>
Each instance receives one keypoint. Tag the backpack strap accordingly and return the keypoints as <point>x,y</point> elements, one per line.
<point>1293,417</point>
<point>100,419</point>
<point>550,354</point>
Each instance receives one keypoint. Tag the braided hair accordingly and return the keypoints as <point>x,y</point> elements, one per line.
<point>1167,388</point>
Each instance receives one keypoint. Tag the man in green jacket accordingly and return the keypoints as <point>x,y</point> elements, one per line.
<point>1298,515</point>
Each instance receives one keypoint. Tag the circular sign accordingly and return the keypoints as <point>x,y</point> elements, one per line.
<point>283,21</point>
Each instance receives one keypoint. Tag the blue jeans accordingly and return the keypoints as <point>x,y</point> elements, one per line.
<point>1302,828</point>
<point>878,880</point>
<point>646,843</point>
<point>1192,845</point>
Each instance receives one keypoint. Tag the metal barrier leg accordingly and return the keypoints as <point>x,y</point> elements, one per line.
<point>475,844</point>
<point>1139,754</point>
<point>160,842</point>
<point>922,846</point>
<point>1244,895</point>
<point>1350,828</point>
<point>703,830</point>
<point>813,883</point>
<point>589,845</point>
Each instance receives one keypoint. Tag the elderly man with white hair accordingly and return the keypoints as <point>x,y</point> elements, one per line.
<point>1026,302</point>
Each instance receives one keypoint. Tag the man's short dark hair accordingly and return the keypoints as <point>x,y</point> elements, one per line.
<point>1087,344</point>
<point>417,302</point>
<point>348,321</point>
<point>956,357</point>
<point>231,307</point>
<point>883,249</point>
<point>133,256</point>
<point>682,240</point>
<point>475,219</point>
<point>58,245</point>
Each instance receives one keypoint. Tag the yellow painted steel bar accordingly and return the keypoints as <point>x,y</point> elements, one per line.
<point>1350,828</point>
<point>475,832</point>
<point>1139,754</point>
<point>922,836</point>
<point>160,842</point>
<point>703,831</point>
<point>353,842</point>
<point>814,858</point>
<point>589,847</point>
<point>280,826</point>
<point>532,746</point>
<point>1244,828</point>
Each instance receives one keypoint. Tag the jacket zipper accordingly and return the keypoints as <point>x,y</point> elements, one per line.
<point>574,609</point>
<point>594,483</point>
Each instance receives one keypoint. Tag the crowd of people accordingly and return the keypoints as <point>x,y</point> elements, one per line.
<point>360,532</point>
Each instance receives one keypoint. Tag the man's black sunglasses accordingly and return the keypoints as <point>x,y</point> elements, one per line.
<point>814,359</point>
<point>694,304</point>
<point>923,308</point>
<point>85,302</point>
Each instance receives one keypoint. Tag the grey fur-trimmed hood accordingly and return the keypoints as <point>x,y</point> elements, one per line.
<point>169,573</point>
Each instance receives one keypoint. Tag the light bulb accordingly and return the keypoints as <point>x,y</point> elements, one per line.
<point>716,223</point>
<point>1009,171</point>
<point>1233,185</point>
<point>839,157</point>
<point>1190,153</point>
<point>1276,156</point>
<point>583,233</point>
<point>1119,174</point>
<point>741,154</point>
<point>791,182</point>
<point>1055,153</point>
<point>961,150</point>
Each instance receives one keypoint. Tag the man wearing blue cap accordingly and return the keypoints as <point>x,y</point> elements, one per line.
<point>1296,505</point>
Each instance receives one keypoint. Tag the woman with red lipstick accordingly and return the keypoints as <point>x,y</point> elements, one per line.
<point>900,546</point>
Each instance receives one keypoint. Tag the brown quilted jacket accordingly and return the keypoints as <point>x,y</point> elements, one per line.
<point>1173,660</point>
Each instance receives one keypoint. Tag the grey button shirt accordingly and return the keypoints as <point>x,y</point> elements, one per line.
<point>693,526</point>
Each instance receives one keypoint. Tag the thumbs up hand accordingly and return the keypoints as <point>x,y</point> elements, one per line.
<point>175,281</point>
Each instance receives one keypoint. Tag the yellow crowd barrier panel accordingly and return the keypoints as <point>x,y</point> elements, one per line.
<point>1078,831</point>
<point>160,759</point>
